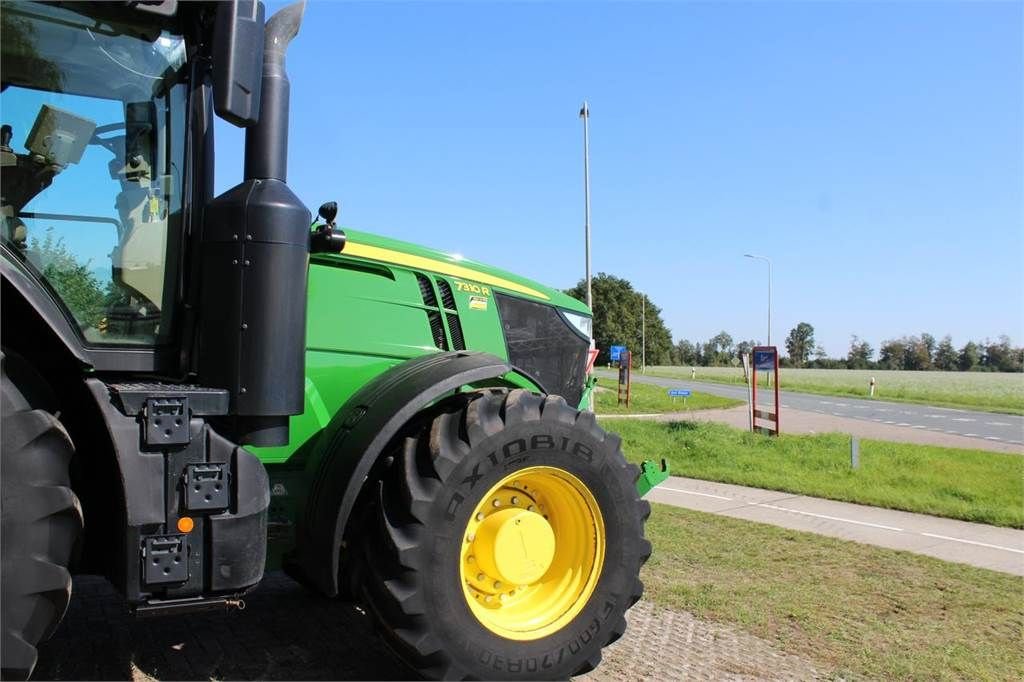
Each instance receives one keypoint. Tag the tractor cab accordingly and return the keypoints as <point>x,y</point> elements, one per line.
<point>92,164</point>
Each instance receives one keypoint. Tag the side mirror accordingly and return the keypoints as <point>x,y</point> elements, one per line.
<point>238,61</point>
<point>329,211</point>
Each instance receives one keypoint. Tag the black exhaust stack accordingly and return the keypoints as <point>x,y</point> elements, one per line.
<point>252,334</point>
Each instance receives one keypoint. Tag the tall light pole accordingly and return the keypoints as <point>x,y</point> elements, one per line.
<point>585,115</point>
<point>769,262</point>
<point>643,335</point>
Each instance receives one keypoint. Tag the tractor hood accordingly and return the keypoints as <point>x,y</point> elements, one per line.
<point>373,247</point>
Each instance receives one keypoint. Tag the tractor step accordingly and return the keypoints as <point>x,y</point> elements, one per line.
<point>203,401</point>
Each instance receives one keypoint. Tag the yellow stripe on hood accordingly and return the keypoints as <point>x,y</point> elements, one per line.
<point>421,263</point>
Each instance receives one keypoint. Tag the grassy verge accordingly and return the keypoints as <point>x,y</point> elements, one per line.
<point>650,399</point>
<point>973,485</point>
<point>940,389</point>
<point>865,612</point>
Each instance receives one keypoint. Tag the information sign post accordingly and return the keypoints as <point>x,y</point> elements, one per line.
<point>625,369</point>
<point>765,359</point>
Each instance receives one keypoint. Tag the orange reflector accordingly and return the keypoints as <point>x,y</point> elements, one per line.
<point>186,524</point>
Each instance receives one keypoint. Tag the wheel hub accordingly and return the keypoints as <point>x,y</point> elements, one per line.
<point>532,553</point>
<point>515,546</point>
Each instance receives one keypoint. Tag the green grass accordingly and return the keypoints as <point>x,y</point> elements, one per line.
<point>650,399</point>
<point>858,611</point>
<point>989,391</point>
<point>973,485</point>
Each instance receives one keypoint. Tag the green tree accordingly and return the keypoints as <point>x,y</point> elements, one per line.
<point>800,343</point>
<point>860,354</point>
<point>970,356</point>
<point>686,351</point>
<point>74,283</point>
<point>891,354</point>
<point>916,355</point>
<point>1001,356</point>
<point>945,355</point>
<point>618,310</point>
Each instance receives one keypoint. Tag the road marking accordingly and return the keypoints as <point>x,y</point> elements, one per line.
<point>842,405</point>
<point>954,432</point>
<point>997,424</point>
<point>992,438</point>
<point>889,422</point>
<point>918,426</point>
<point>903,424</point>
<point>971,435</point>
<point>936,416</point>
<point>693,492</point>
<point>826,516</point>
<point>840,519</point>
<point>837,414</point>
<point>963,419</point>
<point>973,542</point>
<point>826,402</point>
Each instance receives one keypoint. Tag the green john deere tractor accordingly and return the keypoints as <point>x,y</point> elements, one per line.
<point>198,388</point>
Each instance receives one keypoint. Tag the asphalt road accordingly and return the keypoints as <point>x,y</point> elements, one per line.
<point>991,426</point>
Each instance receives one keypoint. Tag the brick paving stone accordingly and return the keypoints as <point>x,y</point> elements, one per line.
<point>289,633</point>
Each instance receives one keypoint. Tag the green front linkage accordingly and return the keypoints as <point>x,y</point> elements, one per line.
<point>651,476</point>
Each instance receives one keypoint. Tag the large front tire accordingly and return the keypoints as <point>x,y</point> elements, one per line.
<point>508,543</point>
<point>40,516</point>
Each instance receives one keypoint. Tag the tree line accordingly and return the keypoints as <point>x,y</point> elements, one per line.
<point>618,313</point>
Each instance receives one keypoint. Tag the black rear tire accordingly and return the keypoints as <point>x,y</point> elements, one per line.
<point>41,517</point>
<point>437,476</point>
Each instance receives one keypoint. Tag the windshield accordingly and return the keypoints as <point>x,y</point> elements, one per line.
<point>91,156</point>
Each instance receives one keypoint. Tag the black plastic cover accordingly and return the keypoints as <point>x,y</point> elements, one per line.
<point>238,539</point>
<point>238,61</point>
<point>252,330</point>
<point>542,344</point>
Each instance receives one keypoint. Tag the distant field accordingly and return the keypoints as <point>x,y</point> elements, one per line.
<point>994,391</point>
<point>645,398</point>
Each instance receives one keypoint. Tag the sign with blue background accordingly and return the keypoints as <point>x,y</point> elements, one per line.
<point>615,352</point>
<point>679,393</point>
<point>764,360</point>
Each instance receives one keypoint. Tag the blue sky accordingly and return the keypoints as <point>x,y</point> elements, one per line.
<point>874,150</point>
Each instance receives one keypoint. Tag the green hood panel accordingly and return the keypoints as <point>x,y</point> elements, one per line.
<point>364,245</point>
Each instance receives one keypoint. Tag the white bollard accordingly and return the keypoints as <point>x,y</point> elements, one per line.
<point>871,388</point>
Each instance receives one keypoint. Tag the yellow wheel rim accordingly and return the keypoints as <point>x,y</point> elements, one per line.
<point>532,553</point>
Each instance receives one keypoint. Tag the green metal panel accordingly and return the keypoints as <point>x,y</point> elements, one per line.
<point>367,314</point>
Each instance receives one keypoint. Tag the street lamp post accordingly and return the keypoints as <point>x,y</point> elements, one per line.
<point>643,335</point>
<point>769,262</point>
<point>585,115</point>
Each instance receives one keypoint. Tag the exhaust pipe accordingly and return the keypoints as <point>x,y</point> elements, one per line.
<point>266,143</point>
<point>252,331</point>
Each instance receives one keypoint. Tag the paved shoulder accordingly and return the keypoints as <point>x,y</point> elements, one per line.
<point>992,547</point>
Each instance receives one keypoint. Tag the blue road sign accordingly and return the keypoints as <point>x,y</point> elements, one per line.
<point>764,360</point>
<point>679,393</point>
<point>615,352</point>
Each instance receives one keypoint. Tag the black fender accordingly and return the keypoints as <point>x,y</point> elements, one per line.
<point>33,297</point>
<point>353,441</point>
